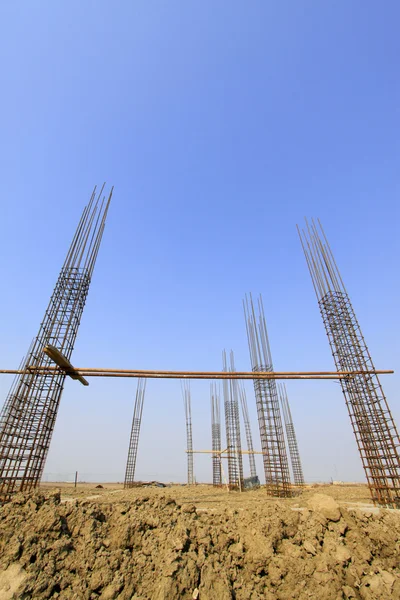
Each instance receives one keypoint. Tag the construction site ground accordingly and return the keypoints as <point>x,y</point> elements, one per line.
<point>197,542</point>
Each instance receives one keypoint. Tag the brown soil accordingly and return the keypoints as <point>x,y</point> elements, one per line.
<point>198,542</point>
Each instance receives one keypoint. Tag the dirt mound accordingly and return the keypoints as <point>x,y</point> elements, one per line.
<point>155,548</point>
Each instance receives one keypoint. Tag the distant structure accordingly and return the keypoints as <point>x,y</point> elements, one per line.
<point>291,437</point>
<point>216,434</point>
<point>232,424</point>
<point>135,431</point>
<point>276,466</point>
<point>373,425</point>
<point>189,438</point>
<point>249,439</point>
<point>29,413</point>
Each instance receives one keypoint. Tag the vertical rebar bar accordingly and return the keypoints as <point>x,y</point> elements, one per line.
<point>216,434</point>
<point>276,466</point>
<point>232,424</point>
<point>372,422</point>
<point>28,416</point>
<point>185,385</point>
<point>294,453</point>
<point>135,432</point>
<point>249,438</point>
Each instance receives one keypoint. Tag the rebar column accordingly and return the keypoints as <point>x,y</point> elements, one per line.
<point>249,438</point>
<point>291,437</point>
<point>28,416</point>
<point>373,425</point>
<point>276,466</point>
<point>232,424</point>
<point>216,434</point>
<point>189,439</point>
<point>135,431</point>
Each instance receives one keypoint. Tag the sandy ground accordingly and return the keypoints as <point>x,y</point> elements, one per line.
<point>197,543</point>
<point>203,496</point>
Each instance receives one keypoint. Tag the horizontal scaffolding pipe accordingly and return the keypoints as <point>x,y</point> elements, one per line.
<point>220,452</point>
<point>193,374</point>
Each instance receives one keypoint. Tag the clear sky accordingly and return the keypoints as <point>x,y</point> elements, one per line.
<point>221,125</point>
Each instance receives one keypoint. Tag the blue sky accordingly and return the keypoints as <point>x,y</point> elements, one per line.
<point>221,125</point>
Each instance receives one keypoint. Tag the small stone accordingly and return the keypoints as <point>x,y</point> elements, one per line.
<point>195,594</point>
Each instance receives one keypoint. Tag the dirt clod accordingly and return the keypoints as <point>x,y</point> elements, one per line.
<point>321,503</point>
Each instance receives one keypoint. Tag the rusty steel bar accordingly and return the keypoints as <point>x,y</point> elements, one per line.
<point>187,402</point>
<point>216,434</point>
<point>28,417</point>
<point>372,422</point>
<point>232,426</point>
<point>275,460</point>
<point>135,432</point>
<point>247,428</point>
<point>294,453</point>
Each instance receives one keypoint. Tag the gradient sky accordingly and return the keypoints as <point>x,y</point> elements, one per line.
<point>221,125</point>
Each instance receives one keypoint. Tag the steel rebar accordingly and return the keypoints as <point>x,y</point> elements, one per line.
<point>232,424</point>
<point>29,414</point>
<point>276,466</point>
<point>247,428</point>
<point>216,434</point>
<point>187,402</point>
<point>135,432</point>
<point>372,422</point>
<point>294,453</point>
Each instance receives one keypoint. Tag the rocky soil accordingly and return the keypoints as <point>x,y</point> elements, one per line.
<point>157,545</point>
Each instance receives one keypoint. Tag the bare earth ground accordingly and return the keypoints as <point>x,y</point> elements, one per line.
<point>197,542</point>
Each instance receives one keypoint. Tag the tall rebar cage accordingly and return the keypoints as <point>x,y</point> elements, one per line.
<point>232,424</point>
<point>216,435</point>
<point>247,428</point>
<point>275,460</point>
<point>135,431</point>
<point>294,453</point>
<point>372,422</point>
<point>187,401</point>
<point>29,413</point>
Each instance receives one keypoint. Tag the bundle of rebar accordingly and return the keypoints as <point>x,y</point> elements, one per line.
<point>216,434</point>
<point>232,425</point>
<point>294,453</point>
<point>29,414</point>
<point>276,466</point>
<point>185,385</point>
<point>135,431</point>
<point>373,425</point>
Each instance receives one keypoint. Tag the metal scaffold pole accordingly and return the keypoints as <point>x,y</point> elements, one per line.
<point>29,413</point>
<point>372,422</point>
